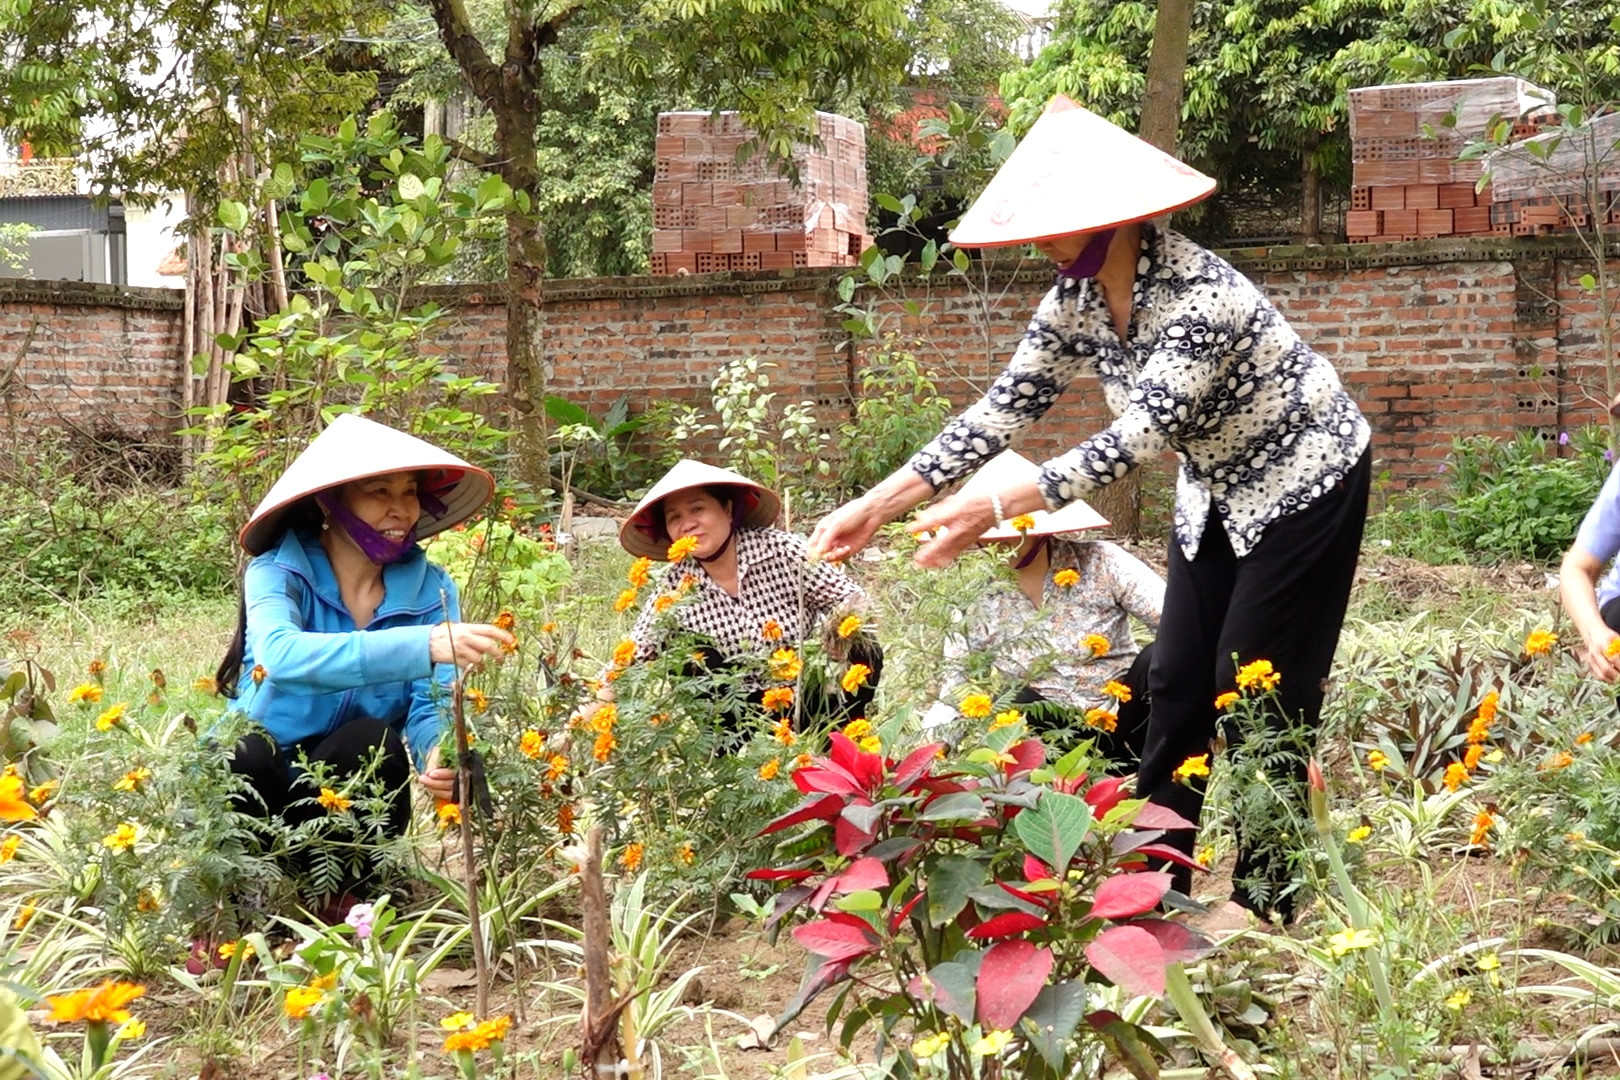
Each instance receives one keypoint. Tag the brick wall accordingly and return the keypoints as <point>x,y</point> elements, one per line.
<point>1435,339</point>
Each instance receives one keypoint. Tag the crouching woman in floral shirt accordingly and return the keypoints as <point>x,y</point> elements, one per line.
<point>1272,493</point>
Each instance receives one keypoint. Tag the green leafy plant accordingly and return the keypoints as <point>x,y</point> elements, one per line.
<point>898,409</point>
<point>608,458</point>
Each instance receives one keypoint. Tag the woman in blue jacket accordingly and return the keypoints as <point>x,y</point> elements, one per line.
<point>348,637</point>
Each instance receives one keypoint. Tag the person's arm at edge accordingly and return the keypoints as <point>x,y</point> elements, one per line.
<point>1577,587</point>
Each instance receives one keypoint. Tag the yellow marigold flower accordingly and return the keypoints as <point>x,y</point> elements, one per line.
<point>1561,760</point>
<point>769,770</point>
<point>448,813</point>
<point>850,626</point>
<point>782,731</point>
<point>1358,834</point>
<point>925,1046</point>
<point>229,949</point>
<point>624,653</point>
<point>104,1004</point>
<point>1377,760</point>
<point>1068,578</point>
<point>43,792</point>
<point>785,665</point>
<point>332,801</point>
<point>8,848</point>
<point>1586,736</point>
<point>1489,962</point>
<point>13,805</point>
<point>871,744</point>
<point>1228,699</point>
<point>477,699</point>
<point>121,838</point>
<point>1456,776</point>
<point>506,621</point>
<point>556,768</point>
<point>88,693</point>
<point>664,602</point>
<point>777,698</point>
<point>24,917</point>
<point>1023,523</point>
<point>976,706</point>
<point>532,744</point>
<point>1347,941</point>
<point>1117,690</point>
<point>771,630</point>
<point>685,854</point>
<point>857,729</point>
<point>1197,765</point>
<point>1095,642</point>
<point>1006,718</point>
<point>1458,1000</point>
<point>495,1030</point>
<point>461,1021</point>
<point>1539,642</point>
<point>1471,757</point>
<point>463,1042</point>
<point>132,1029</point>
<point>631,857</point>
<point>637,574</point>
<point>300,1000</point>
<point>258,674</point>
<point>626,600</point>
<point>1205,856</point>
<point>1495,756</point>
<point>1612,648</point>
<point>604,746</point>
<point>204,684</point>
<point>112,717</point>
<point>1258,675</point>
<point>681,548</point>
<point>854,678</point>
<point>803,761</point>
<point>994,1042</point>
<point>1102,719</point>
<point>1483,821</point>
<point>132,780</point>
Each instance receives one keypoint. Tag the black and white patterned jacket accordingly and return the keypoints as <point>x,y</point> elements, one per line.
<point>1211,370</point>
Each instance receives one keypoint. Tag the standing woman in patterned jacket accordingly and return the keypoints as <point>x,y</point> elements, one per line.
<point>1272,492</point>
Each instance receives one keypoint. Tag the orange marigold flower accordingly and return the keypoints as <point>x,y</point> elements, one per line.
<point>604,746</point>
<point>1483,821</point>
<point>631,858</point>
<point>146,902</point>
<point>24,917</point>
<point>769,770</point>
<point>8,848</point>
<point>1102,719</point>
<point>565,819</point>
<point>332,801</point>
<point>685,854</point>
<point>1228,699</point>
<point>556,768</point>
<point>1117,690</point>
<point>13,805</point>
<point>548,628</point>
<point>258,674</point>
<point>1095,642</point>
<point>1539,642</point>
<point>43,792</point>
<point>777,698</point>
<point>976,706</point>
<point>681,548</point>
<point>638,572</point>
<point>850,626</point>
<point>854,678</point>
<point>505,621</point>
<point>626,600</point>
<point>532,744</point>
<point>204,684</point>
<point>477,699</point>
<point>98,668</point>
<point>1258,675</point>
<point>857,729</point>
<point>606,717</point>
<point>1456,776</point>
<point>871,744</point>
<point>447,812</point>
<point>1561,760</point>
<point>1472,755</point>
<point>664,602</point>
<point>1068,578</point>
<point>624,653</point>
<point>785,665</point>
<point>104,1004</point>
<point>1586,736</point>
<point>1197,765</point>
<point>88,693</point>
<point>772,630</point>
<point>803,761</point>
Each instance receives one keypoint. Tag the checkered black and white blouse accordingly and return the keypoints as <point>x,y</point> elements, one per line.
<point>1210,370</point>
<point>776,583</point>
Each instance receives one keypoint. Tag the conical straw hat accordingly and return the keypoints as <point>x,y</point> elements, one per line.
<point>1076,172</point>
<point>643,534</point>
<point>1010,467</point>
<point>353,448</point>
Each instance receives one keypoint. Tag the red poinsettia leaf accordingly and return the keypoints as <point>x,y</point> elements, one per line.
<point>1035,870</point>
<point>1010,976</point>
<point>817,977</point>
<point>940,785</point>
<point>836,940</point>
<point>850,839</point>
<point>863,873</point>
<point>849,918</point>
<point>915,765</point>
<point>1104,795</point>
<point>825,776</point>
<point>1170,854</point>
<point>768,874</point>
<point>787,901</point>
<point>1180,942</point>
<point>898,918</point>
<point>1130,958</point>
<point>1028,756</point>
<point>823,893</point>
<point>843,752</point>
<point>1006,925</point>
<point>1125,896</point>
<point>1028,897</point>
<point>1154,816</point>
<point>825,808</point>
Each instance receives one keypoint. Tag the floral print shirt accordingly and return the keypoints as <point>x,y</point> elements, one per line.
<point>1208,369</point>
<point>1043,648</point>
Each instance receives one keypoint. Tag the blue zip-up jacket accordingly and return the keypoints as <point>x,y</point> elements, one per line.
<point>321,671</point>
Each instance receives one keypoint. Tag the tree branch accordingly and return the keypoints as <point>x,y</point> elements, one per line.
<point>455,28</point>
<point>476,158</point>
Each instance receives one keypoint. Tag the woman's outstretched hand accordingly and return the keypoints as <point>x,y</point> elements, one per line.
<point>439,781</point>
<point>845,531</point>
<point>465,644</point>
<point>954,524</point>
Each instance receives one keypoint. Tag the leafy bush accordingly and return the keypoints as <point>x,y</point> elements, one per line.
<point>898,409</point>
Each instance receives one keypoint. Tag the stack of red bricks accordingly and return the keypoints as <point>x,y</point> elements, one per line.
<point>1555,186</point>
<point>1407,183</point>
<point>712,212</point>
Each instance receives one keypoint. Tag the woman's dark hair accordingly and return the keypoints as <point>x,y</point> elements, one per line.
<point>724,494</point>
<point>304,517</point>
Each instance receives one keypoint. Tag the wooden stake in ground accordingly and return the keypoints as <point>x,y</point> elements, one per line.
<point>464,802</point>
<point>600,1020</point>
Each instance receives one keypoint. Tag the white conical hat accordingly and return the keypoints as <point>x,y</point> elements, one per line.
<point>643,534</point>
<point>1075,172</point>
<point>353,448</point>
<point>1009,468</point>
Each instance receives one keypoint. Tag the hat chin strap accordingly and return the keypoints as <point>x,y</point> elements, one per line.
<point>372,544</point>
<point>719,551</point>
<point>1033,553</point>
<point>1091,257</point>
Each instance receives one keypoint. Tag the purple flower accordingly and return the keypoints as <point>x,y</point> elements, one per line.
<point>360,917</point>
<point>1563,438</point>
<point>1608,455</point>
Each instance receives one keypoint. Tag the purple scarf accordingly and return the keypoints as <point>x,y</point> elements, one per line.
<point>1091,257</point>
<point>373,544</point>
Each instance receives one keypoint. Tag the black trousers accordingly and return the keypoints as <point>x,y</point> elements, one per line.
<point>1285,602</point>
<point>280,788</point>
<point>1123,746</point>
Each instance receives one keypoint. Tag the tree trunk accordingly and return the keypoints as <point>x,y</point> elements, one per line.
<point>1310,198</point>
<point>525,352</point>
